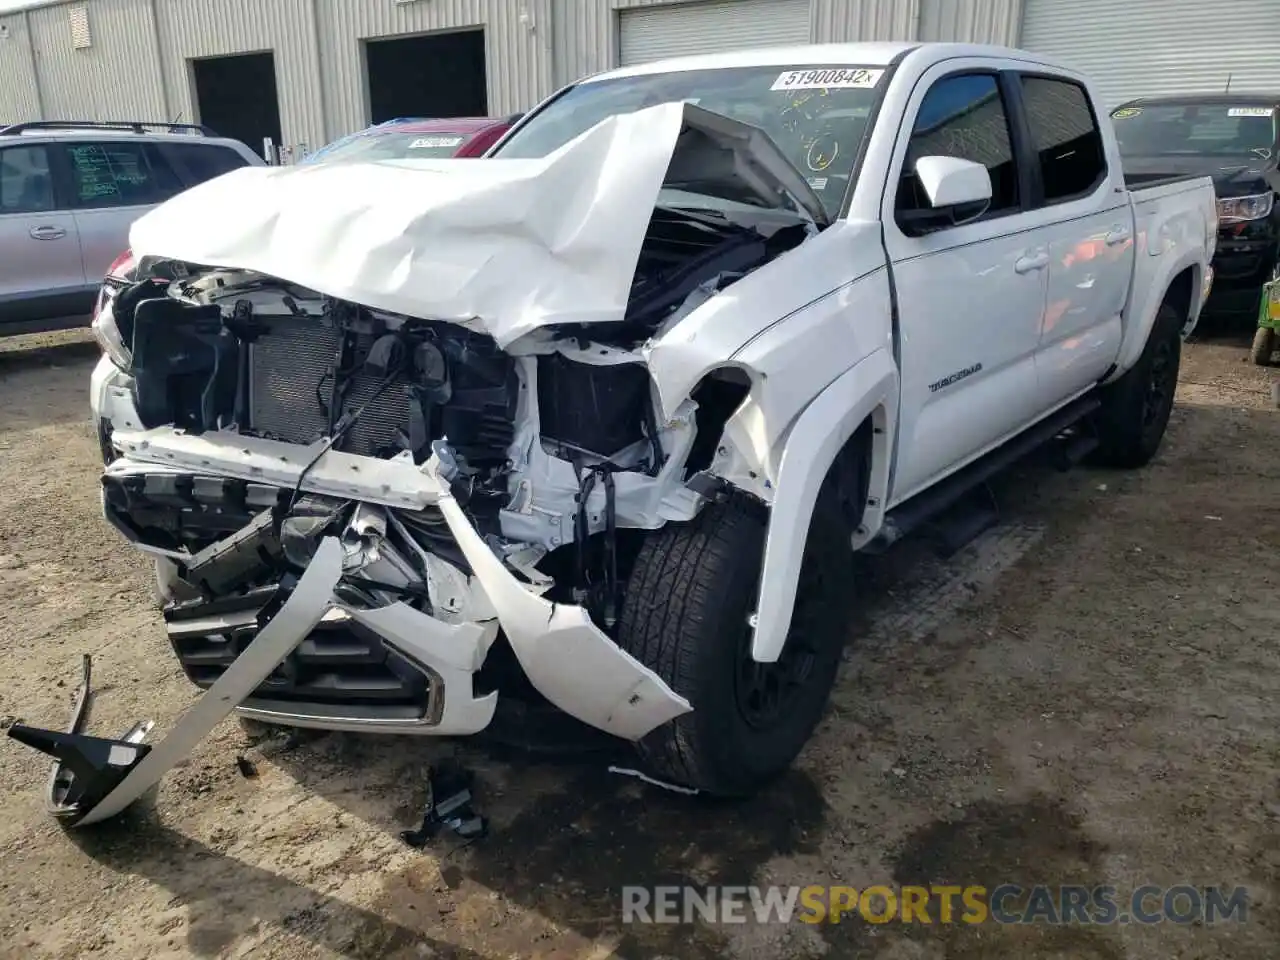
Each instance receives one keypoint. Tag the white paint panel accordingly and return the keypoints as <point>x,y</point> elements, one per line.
<point>80,38</point>
<point>674,30</point>
<point>1153,47</point>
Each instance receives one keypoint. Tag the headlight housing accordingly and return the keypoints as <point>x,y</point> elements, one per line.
<point>105,329</point>
<point>1236,209</point>
<point>107,333</point>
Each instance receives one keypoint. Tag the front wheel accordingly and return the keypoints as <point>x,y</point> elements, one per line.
<point>1135,408</point>
<point>685,616</point>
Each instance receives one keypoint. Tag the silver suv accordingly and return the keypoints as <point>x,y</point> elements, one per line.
<point>70,190</point>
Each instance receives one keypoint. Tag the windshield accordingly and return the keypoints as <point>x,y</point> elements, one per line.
<point>392,146</point>
<point>1196,128</point>
<point>817,115</point>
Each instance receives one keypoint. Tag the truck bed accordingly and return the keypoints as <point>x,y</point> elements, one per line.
<point>1142,181</point>
<point>1173,219</point>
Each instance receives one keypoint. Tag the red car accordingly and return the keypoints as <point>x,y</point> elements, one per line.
<point>413,137</point>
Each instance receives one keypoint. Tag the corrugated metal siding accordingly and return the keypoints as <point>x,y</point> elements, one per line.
<point>191,29</point>
<point>1151,47</point>
<point>586,31</point>
<point>973,21</point>
<point>584,41</point>
<point>518,48</point>
<point>114,78</point>
<point>19,94</point>
<point>848,21</point>
<point>655,33</point>
<point>140,66</point>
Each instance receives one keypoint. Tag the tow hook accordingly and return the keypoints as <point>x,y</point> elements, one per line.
<point>94,778</point>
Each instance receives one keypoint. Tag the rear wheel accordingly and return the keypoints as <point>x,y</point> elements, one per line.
<point>685,616</point>
<point>1264,345</point>
<point>1135,409</point>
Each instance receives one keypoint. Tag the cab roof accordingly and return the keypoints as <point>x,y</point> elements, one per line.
<point>853,54</point>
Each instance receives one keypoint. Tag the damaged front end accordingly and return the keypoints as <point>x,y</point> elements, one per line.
<point>359,487</point>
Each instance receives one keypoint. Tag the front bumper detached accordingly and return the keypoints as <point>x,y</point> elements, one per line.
<point>96,778</point>
<point>570,661</point>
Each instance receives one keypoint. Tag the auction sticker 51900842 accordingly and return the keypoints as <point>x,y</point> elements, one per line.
<point>827,78</point>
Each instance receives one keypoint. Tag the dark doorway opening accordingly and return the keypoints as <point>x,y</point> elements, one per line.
<point>439,75</point>
<point>237,97</point>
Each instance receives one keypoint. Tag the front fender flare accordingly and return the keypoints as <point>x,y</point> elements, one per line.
<point>810,448</point>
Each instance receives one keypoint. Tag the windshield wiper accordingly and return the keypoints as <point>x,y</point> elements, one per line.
<point>694,211</point>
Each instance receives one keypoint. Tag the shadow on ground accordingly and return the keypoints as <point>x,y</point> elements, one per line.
<point>561,854</point>
<point>23,355</point>
<point>225,891</point>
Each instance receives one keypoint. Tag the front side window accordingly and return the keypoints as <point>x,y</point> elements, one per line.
<point>818,115</point>
<point>1065,137</point>
<point>117,174</point>
<point>963,116</point>
<point>26,186</point>
<point>1216,128</point>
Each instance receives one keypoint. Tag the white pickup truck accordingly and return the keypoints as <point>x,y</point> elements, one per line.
<point>603,419</point>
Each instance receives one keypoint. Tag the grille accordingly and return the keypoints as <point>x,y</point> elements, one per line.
<point>339,664</point>
<point>290,382</point>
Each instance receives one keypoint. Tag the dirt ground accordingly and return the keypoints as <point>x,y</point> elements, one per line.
<point>1089,693</point>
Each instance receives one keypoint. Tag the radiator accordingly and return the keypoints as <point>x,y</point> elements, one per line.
<point>291,380</point>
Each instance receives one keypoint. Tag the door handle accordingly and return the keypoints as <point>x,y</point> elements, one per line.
<point>1117,235</point>
<point>47,233</point>
<point>1032,261</point>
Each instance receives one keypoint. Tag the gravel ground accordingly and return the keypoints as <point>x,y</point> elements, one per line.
<point>1085,694</point>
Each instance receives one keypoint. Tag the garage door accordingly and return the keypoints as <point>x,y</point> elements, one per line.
<point>1135,48</point>
<point>674,30</point>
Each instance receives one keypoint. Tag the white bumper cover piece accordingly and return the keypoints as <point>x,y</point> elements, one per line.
<point>299,615</point>
<point>568,659</point>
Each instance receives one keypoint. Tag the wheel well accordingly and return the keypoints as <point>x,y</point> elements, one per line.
<point>1179,293</point>
<point>718,395</point>
<point>850,473</point>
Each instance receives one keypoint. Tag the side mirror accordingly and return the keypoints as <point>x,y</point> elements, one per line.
<point>950,182</point>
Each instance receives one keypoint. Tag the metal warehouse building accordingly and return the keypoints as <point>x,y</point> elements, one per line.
<point>306,71</point>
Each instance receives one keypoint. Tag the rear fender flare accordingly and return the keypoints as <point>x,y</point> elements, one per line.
<point>868,390</point>
<point>1143,317</point>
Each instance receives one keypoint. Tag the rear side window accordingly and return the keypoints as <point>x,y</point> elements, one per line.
<point>117,174</point>
<point>198,162</point>
<point>26,186</point>
<point>1065,137</point>
<point>963,116</point>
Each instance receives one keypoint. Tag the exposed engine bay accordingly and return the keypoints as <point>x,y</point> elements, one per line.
<point>217,349</point>
<point>456,389</point>
<point>553,447</point>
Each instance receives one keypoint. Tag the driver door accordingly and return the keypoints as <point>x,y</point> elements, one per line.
<point>971,295</point>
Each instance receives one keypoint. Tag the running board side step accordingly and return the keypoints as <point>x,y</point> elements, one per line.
<point>95,778</point>
<point>920,509</point>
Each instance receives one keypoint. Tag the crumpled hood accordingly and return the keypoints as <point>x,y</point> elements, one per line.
<point>503,245</point>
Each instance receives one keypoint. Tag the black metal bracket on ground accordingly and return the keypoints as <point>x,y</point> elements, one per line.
<point>88,768</point>
<point>449,806</point>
